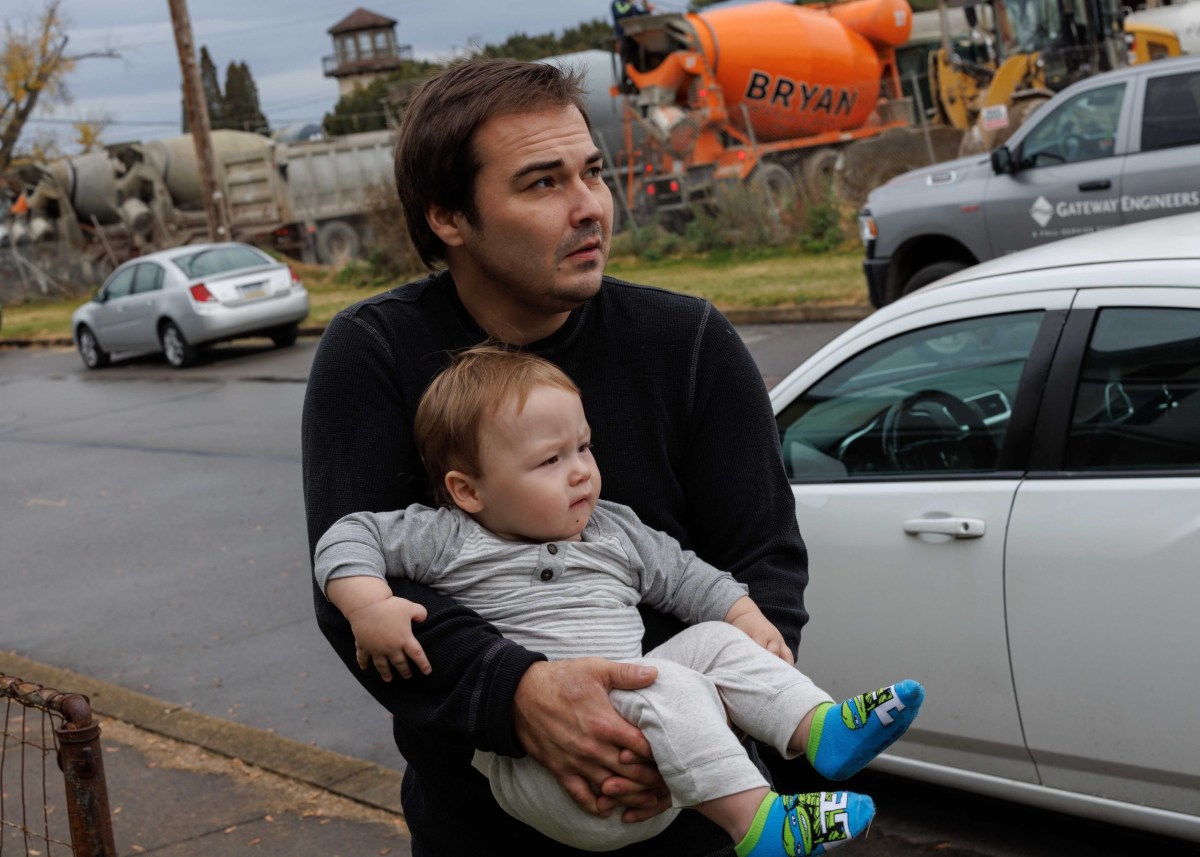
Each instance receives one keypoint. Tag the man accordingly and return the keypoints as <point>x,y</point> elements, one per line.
<point>627,47</point>
<point>500,180</point>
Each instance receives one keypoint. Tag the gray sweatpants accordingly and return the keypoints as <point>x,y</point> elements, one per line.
<point>705,672</point>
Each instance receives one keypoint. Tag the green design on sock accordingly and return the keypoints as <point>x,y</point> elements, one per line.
<point>755,832</point>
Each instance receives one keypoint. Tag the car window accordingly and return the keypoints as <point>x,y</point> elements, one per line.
<point>1138,401</point>
<point>148,277</point>
<point>932,401</point>
<point>1081,129</point>
<point>120,285</point>
<point>219,260</point>
<point>1172,114</point>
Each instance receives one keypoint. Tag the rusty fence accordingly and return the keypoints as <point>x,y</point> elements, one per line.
<point>48,735</point>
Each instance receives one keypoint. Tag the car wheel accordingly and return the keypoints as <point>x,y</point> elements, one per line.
<point>930,273</point>
<point>176,349</point>
<point>93,356</point>
<point>285,337</point>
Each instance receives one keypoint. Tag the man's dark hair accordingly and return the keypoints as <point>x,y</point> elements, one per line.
<point>436,162</point>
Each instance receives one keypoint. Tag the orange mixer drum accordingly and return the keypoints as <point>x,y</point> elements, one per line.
<point>800,70</point>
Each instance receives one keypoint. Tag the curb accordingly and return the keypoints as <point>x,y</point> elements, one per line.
<point>355,779</point>
<point>765,315</point>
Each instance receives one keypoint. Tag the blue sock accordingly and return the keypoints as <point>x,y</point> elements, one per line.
<point>805,825</point>
<point>844,738</point>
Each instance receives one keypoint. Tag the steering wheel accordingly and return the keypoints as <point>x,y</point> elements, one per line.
<point>931,430</point>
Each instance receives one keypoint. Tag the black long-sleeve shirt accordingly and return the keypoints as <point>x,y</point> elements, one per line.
<point>683,433</point>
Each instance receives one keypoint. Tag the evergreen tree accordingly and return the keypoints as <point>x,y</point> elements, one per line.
<point>211,84</point>
<point>241,107</point>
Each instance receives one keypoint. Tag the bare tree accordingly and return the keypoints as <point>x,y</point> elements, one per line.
<point>34,63</point>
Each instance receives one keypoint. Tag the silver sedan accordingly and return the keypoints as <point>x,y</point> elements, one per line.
<point>179,300</point>
<point>998,479</point>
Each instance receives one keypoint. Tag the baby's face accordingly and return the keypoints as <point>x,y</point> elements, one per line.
<point>539,480</point>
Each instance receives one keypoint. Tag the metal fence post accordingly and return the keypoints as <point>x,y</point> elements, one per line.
<point>82,764</point>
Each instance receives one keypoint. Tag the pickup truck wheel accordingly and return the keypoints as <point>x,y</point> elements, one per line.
<point>925,276</point>
<point>337,243</point>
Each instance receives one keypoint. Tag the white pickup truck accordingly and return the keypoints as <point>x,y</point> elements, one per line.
<point>1115,148</point>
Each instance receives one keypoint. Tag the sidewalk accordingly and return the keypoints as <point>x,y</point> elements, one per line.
<point>183,784</point>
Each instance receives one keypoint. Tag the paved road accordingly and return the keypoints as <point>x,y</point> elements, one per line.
<point>152,532</point>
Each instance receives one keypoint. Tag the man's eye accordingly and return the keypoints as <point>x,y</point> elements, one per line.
<point>595,172</point>
<point>551,460</point>
<point>544,181</point>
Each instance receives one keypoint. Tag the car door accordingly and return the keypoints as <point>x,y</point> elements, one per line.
<point>1103,569</point>
<point>1068,176</point>
<point>143,309</point>
<point>1161,175</point>
<point>905,447</point>
<point>113,314</point>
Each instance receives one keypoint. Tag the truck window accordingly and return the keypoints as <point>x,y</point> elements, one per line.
<point>1172,114</point>
<point>1082,129</point>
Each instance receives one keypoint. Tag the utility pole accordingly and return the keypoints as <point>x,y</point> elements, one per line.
<point>215,210</point>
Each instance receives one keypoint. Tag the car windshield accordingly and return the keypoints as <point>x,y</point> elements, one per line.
<point>219,260</point>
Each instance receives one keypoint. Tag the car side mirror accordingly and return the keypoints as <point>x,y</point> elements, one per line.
<point>99,297</point>
<point>1003,161</point>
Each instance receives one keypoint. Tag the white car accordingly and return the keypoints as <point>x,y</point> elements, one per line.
<point>998,479</point>
<point>181,299</point>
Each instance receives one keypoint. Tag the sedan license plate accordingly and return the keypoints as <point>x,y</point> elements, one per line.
<point>252,291</point>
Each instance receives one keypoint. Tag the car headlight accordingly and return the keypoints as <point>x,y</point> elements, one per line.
<point>867,230</point>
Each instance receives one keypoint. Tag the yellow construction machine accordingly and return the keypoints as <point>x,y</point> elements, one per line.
<point>1018,53</point>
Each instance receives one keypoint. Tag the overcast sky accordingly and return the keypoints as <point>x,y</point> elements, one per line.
<point>282,41</point>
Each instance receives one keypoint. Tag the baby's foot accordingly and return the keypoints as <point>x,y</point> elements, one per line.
<point>807,824</point>
<point>845,738</point>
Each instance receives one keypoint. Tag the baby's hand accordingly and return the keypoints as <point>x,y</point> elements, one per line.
<point>745,615</point>
<point>383,635</point>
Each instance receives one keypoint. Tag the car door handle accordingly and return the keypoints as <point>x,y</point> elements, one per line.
<point>1098,184</point>
<point>959,528</point>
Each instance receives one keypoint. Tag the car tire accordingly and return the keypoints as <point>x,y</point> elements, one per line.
<point>90,352</point>
<point>285,337</point>
<point>178,351</point>
<point>924,276</point>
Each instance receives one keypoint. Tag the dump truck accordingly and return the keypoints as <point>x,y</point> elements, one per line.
<point>77,218</point>
<point>768,93</point>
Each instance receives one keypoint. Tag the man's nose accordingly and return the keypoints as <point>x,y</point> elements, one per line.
<point>588,202</point>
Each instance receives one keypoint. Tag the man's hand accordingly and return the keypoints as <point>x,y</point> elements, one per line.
<point>744,614</point>
<point>566,722</point>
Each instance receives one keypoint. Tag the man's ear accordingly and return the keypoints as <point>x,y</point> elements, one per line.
<point>464,492</point>
<point>446,224</point>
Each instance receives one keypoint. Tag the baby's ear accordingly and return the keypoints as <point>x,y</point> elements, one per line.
<point>464,492</point>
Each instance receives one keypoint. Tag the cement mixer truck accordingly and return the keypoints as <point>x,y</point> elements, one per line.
<point>81,216</point>
<point>768,93</point>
